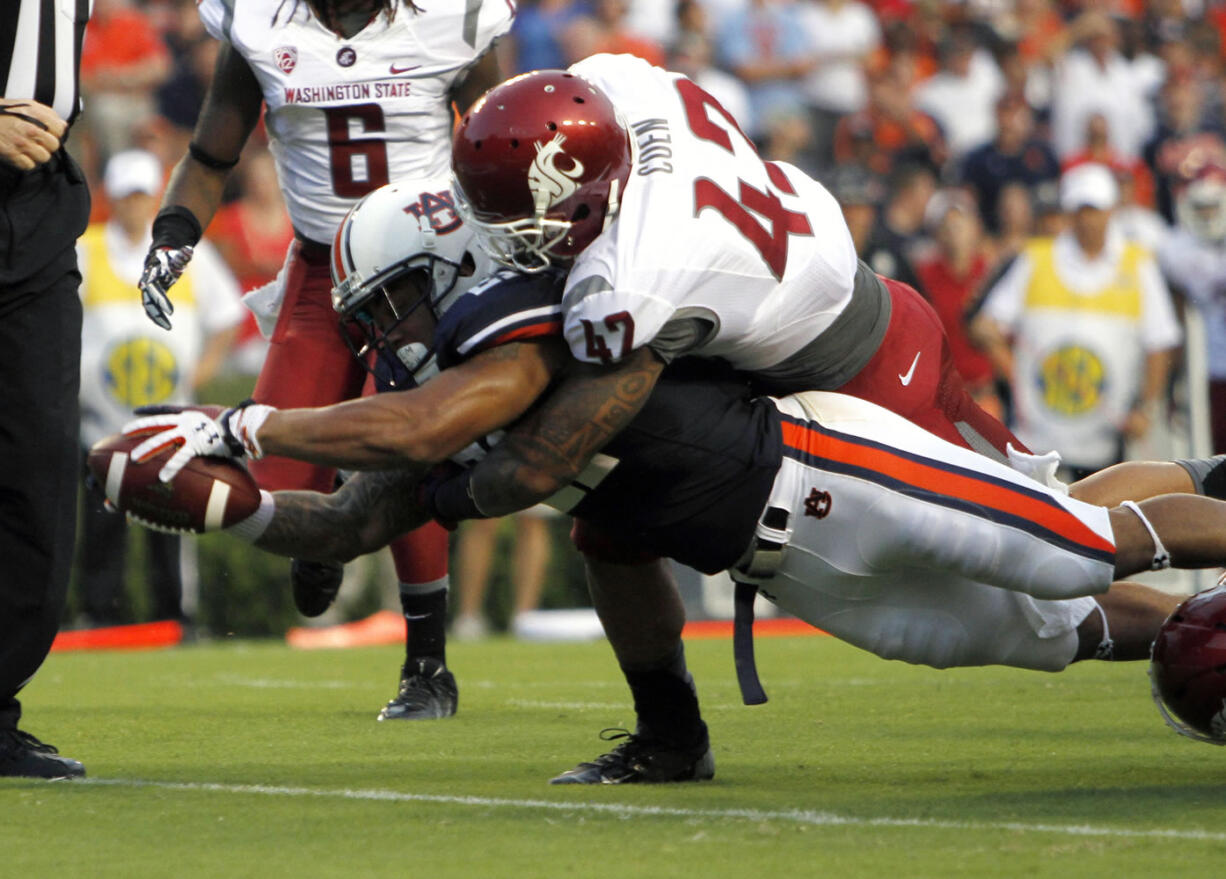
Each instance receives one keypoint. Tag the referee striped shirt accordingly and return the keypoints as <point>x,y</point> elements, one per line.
<point>40,51</point>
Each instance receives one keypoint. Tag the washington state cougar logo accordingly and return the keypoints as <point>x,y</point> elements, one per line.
<point>549,183</point>
<point>286,58</point>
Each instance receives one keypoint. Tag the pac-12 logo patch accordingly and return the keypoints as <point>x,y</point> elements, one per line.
<point>549,183</point>
<point>286,58</point>
<point>346,56</point>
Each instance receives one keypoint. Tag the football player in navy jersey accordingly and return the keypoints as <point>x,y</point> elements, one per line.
<point>696,476</point>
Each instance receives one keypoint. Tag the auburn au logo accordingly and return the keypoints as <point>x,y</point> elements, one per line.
<point>438,209</point>
<point>549,183</point>
<point>818,504</point>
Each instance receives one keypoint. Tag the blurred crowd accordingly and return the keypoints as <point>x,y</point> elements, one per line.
<point>951,131</point>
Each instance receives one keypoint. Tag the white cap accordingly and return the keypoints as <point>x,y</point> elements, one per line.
<point>132,171</point>
<point>1088,186</point>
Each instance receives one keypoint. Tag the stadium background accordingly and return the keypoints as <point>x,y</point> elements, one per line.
<point>885,101</point>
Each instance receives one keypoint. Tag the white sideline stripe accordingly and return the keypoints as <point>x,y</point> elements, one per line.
<point>275,684</point>
<point>533,703</point>
<point>215,512</point>
<point>796,816</point>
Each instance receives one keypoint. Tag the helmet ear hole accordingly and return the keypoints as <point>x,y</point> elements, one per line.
<point>581,213</point>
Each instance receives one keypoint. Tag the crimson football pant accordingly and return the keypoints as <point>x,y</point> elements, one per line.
<point>310,365</point>
<point>913,374</point>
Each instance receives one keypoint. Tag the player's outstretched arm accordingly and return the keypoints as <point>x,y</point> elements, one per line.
<point>550,447</point>
<point>427,424</point>
<point>390,431</point>
<point>367,513</point>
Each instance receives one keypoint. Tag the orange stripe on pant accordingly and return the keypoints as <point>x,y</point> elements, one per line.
<point>961,484</point>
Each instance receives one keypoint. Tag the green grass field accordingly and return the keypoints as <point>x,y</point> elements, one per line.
<point>247,759</point>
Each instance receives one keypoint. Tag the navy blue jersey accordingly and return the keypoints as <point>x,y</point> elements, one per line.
<point>694,468</point>
<point>507,307</point>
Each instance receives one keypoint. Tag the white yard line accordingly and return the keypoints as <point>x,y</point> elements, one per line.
<point>623,810</point>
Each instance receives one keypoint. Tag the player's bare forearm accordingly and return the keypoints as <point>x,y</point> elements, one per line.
<point>368,512</point>
<point>231,110</point>
<point>482,76</point>
<point>550,447</point>
<point>423,425</point>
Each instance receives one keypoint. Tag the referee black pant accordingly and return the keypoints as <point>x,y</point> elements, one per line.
<point>41,214</point>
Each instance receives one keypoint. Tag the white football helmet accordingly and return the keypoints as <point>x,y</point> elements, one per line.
<point>1200,204</point>
<point>401,229</point>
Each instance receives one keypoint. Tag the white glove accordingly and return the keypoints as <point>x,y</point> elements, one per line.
<point>193,434</point>
<point>163,266</point>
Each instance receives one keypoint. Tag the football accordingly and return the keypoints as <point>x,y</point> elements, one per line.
<point>1188,667</point>
<point>208,494</point>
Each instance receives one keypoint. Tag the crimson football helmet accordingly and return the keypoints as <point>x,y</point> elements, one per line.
<point>540,163</point>
<point>399,230</point>
<point>1187,667</point>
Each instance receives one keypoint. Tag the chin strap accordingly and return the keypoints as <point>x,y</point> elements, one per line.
<point>1162,559</point>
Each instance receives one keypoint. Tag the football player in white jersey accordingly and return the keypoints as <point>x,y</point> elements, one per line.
<point>355,93</point>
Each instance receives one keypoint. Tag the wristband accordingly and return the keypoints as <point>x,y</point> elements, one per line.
<point>176,227</point>
<point>254,526</point>
<point>209,160</point>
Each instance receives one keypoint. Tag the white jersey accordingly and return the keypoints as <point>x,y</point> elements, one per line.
<point>714,251</point>
<point>344,115</point>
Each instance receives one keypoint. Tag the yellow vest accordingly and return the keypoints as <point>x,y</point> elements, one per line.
<point>102,287</point>
<point>136,363</point>
<point>1122,297</point>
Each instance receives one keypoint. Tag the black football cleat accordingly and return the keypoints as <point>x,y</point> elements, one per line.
<point>427,692</point>
<point>639,760</point>
<point>315,585</point>
<point>24,756</point>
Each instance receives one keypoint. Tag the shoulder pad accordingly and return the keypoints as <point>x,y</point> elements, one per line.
<point>507,307</point>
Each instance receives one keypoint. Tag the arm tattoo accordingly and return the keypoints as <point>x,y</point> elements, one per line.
<point>551,445</point>
<point>369,511</point>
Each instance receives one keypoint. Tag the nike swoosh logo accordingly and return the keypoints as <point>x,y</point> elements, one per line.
<point>396,69</point>
<point>905,378</point>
